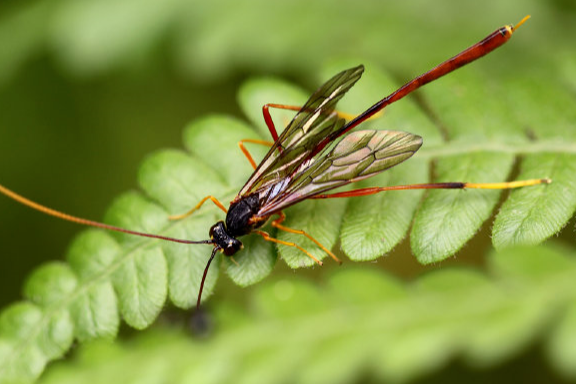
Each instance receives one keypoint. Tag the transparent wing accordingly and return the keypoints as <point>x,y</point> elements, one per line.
<point>357,156</point>
<point>315,121</point>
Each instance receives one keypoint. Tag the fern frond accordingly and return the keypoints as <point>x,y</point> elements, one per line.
<point>362,322</point>
<point>109,277</point>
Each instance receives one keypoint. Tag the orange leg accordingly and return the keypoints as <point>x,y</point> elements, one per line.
<point>278,224</point>
<point>245,151</point>
<point>268,118</point>
<point>210,197</point>
<point>267,237</point>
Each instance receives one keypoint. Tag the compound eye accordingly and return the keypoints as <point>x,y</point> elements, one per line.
<point>232,247</point>
<point>229,251</point>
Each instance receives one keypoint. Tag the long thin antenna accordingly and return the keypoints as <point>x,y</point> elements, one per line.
<point>64,216</point>
<point>204,276</point>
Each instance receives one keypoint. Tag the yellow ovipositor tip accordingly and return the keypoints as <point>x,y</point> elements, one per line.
<point>521,22</point>
<point>508,184</point>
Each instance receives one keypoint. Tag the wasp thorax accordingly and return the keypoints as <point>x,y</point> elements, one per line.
<point>229,245</point>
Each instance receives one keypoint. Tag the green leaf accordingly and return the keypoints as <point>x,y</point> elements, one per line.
<point>358,286</point>
<point>186,263</point>
<point>142,287</point>
<point>321,218</point>
<point>214,139</point>
<point>177,181</point>
<point>407,331</point>
<point>372,227</point>
<point>253,266</point>
<point>562,343</point>
<point>46,286</point>
<point>21,360</point>
<point>94,308</point>
<point>141,281</point>
<point>96,313</point>
<point>530,217</point>
<point>448,219</point>
<point>525,265</point>
<point>50,283</point>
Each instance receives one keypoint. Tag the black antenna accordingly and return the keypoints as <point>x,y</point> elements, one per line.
<point>204,276</point>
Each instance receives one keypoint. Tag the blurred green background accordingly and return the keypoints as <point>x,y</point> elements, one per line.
<point>87,89</point>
